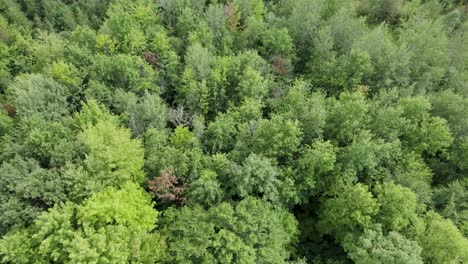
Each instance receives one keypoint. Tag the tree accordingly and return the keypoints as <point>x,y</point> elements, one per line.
<point>276,138</point>
<point>220,134</point>
<point>51,143</point>
<point>193,93</point>
<point>26,191</point>
<point>398,206</point>
<point>350,212</point>
<point>130,25</point>
<point>35,94</point>
<point>390,61</point>
<point>111,154</point>
<point>366,156</point>
<point>428,64</point>
<point>412,172</point>
<point>161,156</point>
<point>130,73</point>
<point>199,59</point>
<point>421,132</point>
<point>375,247</point>
<point>142,113</point>
<point>313,168</point>
<point>113,226</point>
<point>92,113</point>
<point>450,201</point>
<point>442,242</point>
<point>251,231</point>
<point>309,109</point>
<point>381,10</point>
<point>258,177</point>
<point>167,188</point>
<point>252,85</point>
<point>346,117</point>
<point>206,190</point>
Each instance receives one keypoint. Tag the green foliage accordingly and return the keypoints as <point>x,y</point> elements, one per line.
<point>111,226</point>
<point>127,72</point>
<point>276,138</point>
<point>423,133</point>
<point>199,59</point>
<point>183,138</point>
<point>314,166</point>
<point>92,113</point>
<point>346,117</point>
<point>128,25</point>
<point>206,190</point>
<point>294,131</point>
<point>184,160</point>
<point>398,206</point>
<point>427,64</point>
<point>6,123</point>
<point>248,232</point>
<point>220,134</point>
<point>258,177</point>
<point>35,94</point>
<point>308,109</point>
<point>50,142</point>
<point>451,201</point>
<point>27,190</point>
<point>375,247</point>
<point>111,155</point>
<point>128,206</point>
<point>142,113</point>
<point>365,156</point>
<point>349,212</point>
<point>442,242</point>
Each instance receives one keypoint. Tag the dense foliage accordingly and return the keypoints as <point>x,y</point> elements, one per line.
<point>234,131</point>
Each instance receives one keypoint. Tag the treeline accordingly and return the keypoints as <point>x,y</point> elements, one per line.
<point>235,131</point>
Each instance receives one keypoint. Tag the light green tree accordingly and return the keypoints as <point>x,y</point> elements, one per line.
<point>112,226</point>
<point>111,154</point>
<point>350,212</point>
<point>373,246</point>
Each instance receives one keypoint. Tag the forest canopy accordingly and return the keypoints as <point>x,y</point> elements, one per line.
<point>234,131</point>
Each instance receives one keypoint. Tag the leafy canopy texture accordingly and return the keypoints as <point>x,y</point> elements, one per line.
<point>112,226</point>
<point>234,131</point>
<point>251,231</point>
<point>111,154</point>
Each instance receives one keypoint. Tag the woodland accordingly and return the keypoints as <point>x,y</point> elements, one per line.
<point>234,131</point>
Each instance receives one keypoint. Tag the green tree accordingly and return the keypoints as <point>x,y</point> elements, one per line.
<point>428,64</point>
<point>351,211</point>
<point>313,168</point>
<point>92,113</point>
<point>398,206</point>
<point>35,94</point>
<point>206,190</point>
<point>442,242</point>
<point>220,134</point>
<point>160,155</point>
<point>375,247</point>
<point>130,73</point>
<point>251,231</point>
<point>451,201</point>
<point>111,226</point>
<point>276,138</point>
<point>346,117</point>
<point>199,60</point>
<point>423,133</point>
<point>258,177</point>
<point>142,113</point>
<point>111,154</point>
<point>26,191</point>
<point>309,109</point>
